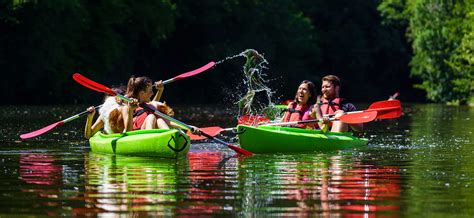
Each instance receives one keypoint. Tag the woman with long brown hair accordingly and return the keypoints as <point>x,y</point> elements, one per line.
<point>299,109</point>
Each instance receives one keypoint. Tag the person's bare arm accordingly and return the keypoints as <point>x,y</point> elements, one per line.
<point>159,90</point>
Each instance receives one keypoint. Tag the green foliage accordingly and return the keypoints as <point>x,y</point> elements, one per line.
<point>47,41</point>
<point>44,42</point>
<point>441,36</point>
<point>395,12</point>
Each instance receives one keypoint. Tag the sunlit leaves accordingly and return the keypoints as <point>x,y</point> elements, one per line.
<point>441,36</point>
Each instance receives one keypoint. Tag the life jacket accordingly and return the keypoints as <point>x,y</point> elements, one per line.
<point>330,107</point>
<point>293,114</point>
<point>138,111</point>
<point>139,116</point>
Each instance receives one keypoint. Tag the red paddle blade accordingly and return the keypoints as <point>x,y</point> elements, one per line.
<point>390,113</point>
<point>362,117</point>
<point>41,131</point>
<point>92,85</point>
<point>212,131</point>
<point>240,150</point>
<point>384,104</point>
<point>194,72</point>
<point>252,120</point>
<point>84,81</point>
<point>386,109</point>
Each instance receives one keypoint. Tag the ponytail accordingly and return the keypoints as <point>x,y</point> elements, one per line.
<point>130,86</point>
<point>137,84</point>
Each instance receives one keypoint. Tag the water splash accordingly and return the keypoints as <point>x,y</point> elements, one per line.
<point>257,99</point>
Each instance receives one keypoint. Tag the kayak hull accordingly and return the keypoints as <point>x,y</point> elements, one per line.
<point>275,139</point>
<point>166,143</point>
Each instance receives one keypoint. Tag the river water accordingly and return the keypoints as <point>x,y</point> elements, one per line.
<point>419,164</point>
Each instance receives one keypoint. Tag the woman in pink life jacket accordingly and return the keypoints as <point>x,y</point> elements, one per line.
<point>330,103</point>
<point>299,109</point>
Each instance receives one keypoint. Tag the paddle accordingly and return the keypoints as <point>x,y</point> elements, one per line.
<point>362,117</point>
<point>387,109</point>
<point>252,119</point>
<point>93,85</point>
<point>190,73</point>
<point>211,130</point>
<point>378,110</point>
<point>101,88</point>
<point>347,118</point>
<point>54,125</point>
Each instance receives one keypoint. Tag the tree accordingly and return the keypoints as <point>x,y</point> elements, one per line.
<point>439,31</point>
<point>46,41</point>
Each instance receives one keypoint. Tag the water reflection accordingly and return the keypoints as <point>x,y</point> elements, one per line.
<point>121,184</point>
<point>40,169</point>
<point>43,180</point>
<point>321,184</point>
<point>211,182</point>
<point>196,185</point>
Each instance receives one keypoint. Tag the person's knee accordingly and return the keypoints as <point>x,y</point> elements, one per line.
<point>338,126</point>
<point>161,123</point>
<point>150,118</point>
<point>149,122</point>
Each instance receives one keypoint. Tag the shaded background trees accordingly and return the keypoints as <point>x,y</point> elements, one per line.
<point>44,42</point>
<point>440,33</point>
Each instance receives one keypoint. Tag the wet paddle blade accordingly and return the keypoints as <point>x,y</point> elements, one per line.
<point>212,131</point>
<point>389,114</point>
<point>41,131</point>
<point>387,109</point>
<point>362,117</point>
<point>376,106</point>
<point>240,150</point>
<point>252,120</point>
<point>233,147</point>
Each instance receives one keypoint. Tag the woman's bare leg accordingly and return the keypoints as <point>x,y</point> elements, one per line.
<point>150,122</point>
<point>162,124</point>
<point>338,126</point>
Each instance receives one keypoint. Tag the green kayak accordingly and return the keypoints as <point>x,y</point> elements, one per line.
<point>167,143</point>
<point>275,139</point>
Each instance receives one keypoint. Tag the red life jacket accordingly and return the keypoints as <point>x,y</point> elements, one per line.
<point>330,107</point>
<point>293,114</point>
<point>139,116</point>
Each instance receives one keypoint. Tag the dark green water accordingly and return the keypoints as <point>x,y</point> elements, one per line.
<point>419,164</point>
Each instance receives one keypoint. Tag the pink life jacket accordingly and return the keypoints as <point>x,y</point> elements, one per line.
<point>298,113</point>
<point>294,112</point>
